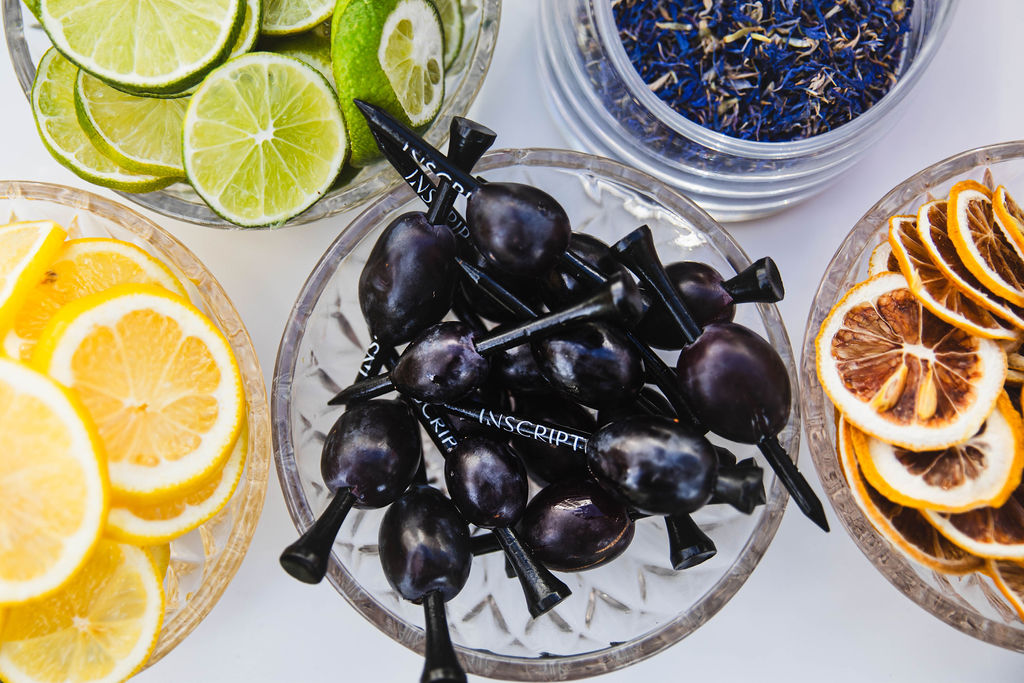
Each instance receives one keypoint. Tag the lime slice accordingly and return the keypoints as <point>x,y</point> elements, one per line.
<point>53,106</point>
<point>154,46</point>
<point>250,31</point>
<point>264,139</point>
<point>451,21</point>
<point>281,17</point>
<point>312,47</point>
<point>388,53</point>
<point>33,7</point>
<point>143,134</point>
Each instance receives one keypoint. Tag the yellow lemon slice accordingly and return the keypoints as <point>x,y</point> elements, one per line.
<point>982,471</point>
<point>53,484</point>
<point>101,627</point>
<point>81,267</point>
<point>158,379</point>
<point>150,524</point>
<point>161,556</point>
<point>902,526</point>
<point>902,374</point>
<point>26,249</point>
<point>985,247</point>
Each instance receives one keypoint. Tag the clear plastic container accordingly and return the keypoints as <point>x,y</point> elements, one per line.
<point>604,106</point>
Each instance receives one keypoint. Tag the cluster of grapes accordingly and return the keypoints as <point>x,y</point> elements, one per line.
<point>493,400</point>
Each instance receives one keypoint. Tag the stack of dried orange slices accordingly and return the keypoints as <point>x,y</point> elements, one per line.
<point>121,428</point>
<point>922,362</point>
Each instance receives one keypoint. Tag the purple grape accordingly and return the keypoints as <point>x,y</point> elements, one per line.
<point>487,483</point>
<point>560,288</point>
<point>441,364</point>
<point>592,363</point>
<point>547,463</point>
<point>700,287</point>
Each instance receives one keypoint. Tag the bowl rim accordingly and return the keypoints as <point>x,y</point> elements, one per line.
<point>475,68</point>
<point>607,30</point>
<point>893,565</point>
<point>257,466</point>
<point>481,662</point>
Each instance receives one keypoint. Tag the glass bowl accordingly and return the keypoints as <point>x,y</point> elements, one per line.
<point>618,614</point>
<point>202,561</point>
<point>969,603</point>
<point>603,106</point>
<point>462,83</point>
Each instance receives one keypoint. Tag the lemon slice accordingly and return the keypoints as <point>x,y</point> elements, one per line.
<point>161,556</point>
<point>882,259</point>
<point>935,290</point>
<point>53,484</point>
<point>26,249</point>
<point>986,532</point>
<point>148,524</point>
<point>82,267</point>
<point>154,46</point>
<point>985,248</point>
<point>158,379</point>
<point>902,374</point>
<point>281,17</point>
<point>902,526</point>
<point>99,628</point>
<point>1009,579</point>
<point>248,139</point>
<point>982,471</point>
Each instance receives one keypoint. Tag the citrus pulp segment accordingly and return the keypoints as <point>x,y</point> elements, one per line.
<point>368,61</point>
<point>900,373</point>
<point>985,248</point>
<point>156,46</point>
<point>158,379</point>
<point>53,106</point>
<point>1009,214</point>
<point>142,134</point>
<point>982,471</point>
<point>312,47</point>
<point>986,532</point>
<point>933,289</point>
<point>26,250</point>
<point>154,523</point>
<point>933,230</point>
<point>53,483</point>
<point>249,133</point>
<point>902,526</point>
<point>882,260</point>
<point>450,12</point>
<point>282,17</point>
<point>1009,579</point>
<point>82,267</point>
<point>99,628</point>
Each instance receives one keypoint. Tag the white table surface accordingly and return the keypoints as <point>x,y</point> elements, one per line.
<point>815,609</point>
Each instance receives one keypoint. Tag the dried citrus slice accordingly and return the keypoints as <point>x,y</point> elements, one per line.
<point>987,532</point>
<point>882,260</point>
<point>902,374</point>
<point>935,290</point>
<point>26,249</point>
<point>149,524</point>
<point>158,379</point>
<point>101,627</point>
<point>987,251</point>
<point>902,526</point>
<point>53,484</point>
<point>932,228</point>
<point>1009,215</point>
<point>1009,579</point>
<point>982,471</point>
<point>81,267</point>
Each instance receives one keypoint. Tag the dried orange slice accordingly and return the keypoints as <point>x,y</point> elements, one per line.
<point>932,228</point>
<point>1009,214</point>
<point>985,248</point>
<point>902,526</point>
<point>882,260</point>
<point>1009,579</point>
<point>901,373</point>
<point>935,290</point>
<point>982,471</point>
<point>997,533</point>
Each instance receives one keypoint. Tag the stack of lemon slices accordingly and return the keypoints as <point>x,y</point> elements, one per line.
<point>922,363</point>
<point>121,428</point>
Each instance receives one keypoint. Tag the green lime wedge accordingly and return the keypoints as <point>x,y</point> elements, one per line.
<point>53,106</point>
<point>281,17</point>
<point>451,21</point>
<point>389,53</point>
<point>142,134</point>
<point>312,47</point>
<point>264,139</point>
<point>156,46</point>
